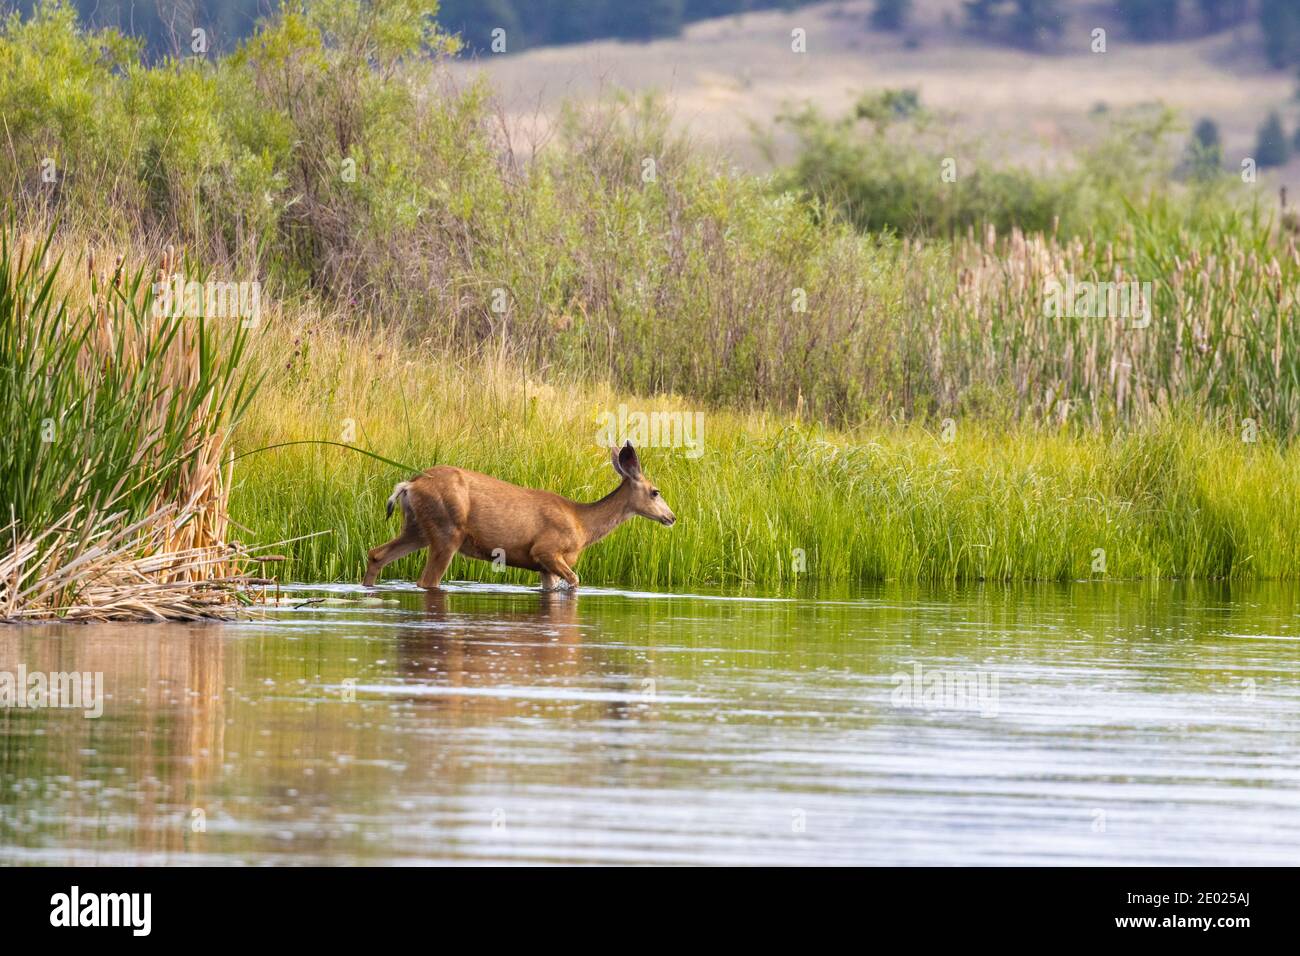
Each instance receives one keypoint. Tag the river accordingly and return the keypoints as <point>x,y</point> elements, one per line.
<point>1084,723</point>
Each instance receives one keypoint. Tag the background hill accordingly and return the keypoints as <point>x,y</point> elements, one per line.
<point>1028,100</point>
<point>1020,77</point>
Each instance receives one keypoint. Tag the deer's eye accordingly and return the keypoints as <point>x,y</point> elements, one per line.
<point>654,492</point>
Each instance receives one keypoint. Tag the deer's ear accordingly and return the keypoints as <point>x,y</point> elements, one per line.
<point>613,460</point>
<point>628,463</point>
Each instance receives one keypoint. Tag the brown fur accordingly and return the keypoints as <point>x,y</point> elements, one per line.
<point>450,509</point>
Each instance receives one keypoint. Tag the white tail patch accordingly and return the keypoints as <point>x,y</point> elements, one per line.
<point>398,490</point>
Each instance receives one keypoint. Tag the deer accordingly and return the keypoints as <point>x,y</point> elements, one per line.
<point>449,510</point>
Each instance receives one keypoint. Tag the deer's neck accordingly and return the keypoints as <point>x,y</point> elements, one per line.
<point>601,517</point>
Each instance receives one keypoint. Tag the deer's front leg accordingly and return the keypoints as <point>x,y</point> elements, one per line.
<point>409,540</point>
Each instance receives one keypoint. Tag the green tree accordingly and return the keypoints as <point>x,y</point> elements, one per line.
<point>1031,23</point>
<point>1038,21</point>
<point>1150,19</point>
<point>1272,148</point>
<point>1206,134</point>
<point>980,14</point>
<point>1204,150</point>
<point>646,19</point>
<point>1280,22</point>
<point>475,20</point>
<point>890,14</point>
<point>1217,14</point>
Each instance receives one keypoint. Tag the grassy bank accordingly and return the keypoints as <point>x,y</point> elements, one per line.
<point>1171,499</point>
<point>146,413</point>
<point>145,410</point>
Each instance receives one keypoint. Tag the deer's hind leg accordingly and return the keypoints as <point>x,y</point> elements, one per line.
<point>442,511</point>
<point>554,567</point>
<point>441,551</point>
<point>411,539</point>
<point>444,529</point>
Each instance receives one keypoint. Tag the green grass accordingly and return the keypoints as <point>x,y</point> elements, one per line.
<point>102,404</point>
<point>1170,499</point>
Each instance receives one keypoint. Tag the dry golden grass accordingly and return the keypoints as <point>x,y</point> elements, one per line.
<point>89,566</point>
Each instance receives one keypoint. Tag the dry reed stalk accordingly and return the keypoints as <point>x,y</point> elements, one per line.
<point>90,568</point>
<point>176,562</point>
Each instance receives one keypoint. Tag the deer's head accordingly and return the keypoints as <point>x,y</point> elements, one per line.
<point>644,499</point>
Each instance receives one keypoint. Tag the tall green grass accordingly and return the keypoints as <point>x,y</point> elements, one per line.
<point>1220,336</point>
<point>1175,498</point>
<point>114,418</point>
<point>102,402</point>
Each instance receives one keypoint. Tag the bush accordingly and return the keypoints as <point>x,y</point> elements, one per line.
<point>1280,22</point>
<point>1271,145</point>
<point>882,167</point>
<point>116,420</point>
<point>1204,151</point>
<point>330,158</point>
<point>890,14</point>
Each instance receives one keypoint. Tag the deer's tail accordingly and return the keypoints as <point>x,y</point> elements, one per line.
<point>399,492</point>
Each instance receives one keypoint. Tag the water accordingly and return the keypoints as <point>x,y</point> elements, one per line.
<point>1084,724</point>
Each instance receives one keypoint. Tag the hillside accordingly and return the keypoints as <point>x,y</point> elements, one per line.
<point>724,75</point>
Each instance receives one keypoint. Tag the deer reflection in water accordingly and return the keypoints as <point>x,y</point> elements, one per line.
<point>536,645</point>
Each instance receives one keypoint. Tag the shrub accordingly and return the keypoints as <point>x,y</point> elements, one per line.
<point>890,14</point>
<point>334,161</point>
<point>1204,151</point>
<point>1271,145</point>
